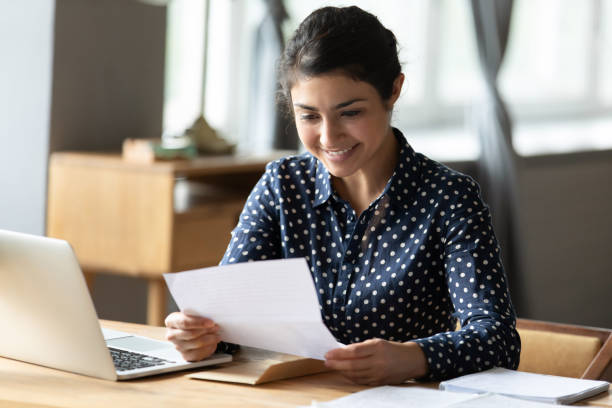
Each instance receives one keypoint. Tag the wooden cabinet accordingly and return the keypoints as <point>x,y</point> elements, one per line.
<point>144,220</point>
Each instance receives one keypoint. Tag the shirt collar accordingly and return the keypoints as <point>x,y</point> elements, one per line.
<point>401,187</point>
<point>404,183</point>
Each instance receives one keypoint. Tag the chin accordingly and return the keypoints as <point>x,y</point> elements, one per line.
<point>339,171</point>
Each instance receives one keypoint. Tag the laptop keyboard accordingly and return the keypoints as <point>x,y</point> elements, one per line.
<point>129,360</point>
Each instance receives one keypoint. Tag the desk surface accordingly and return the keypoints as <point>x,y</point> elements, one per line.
<point>25,385</point>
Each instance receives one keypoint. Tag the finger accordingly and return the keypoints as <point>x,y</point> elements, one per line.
<point>355,350</point>
<point>354,364</point>
<point>183,321</point>
<point>179,320</point>
<point>178,334</point>
<point>365,377</point>
<point>199,343</point>
<point>198,354</point>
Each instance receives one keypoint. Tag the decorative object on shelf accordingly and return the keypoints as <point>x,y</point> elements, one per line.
<point>200,138</point>
<point>151,150</point>
<point>206,140</point>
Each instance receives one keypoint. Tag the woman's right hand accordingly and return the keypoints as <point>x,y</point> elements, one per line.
<point>194,337</point>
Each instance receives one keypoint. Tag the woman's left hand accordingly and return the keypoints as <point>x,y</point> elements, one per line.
<point>378,362</point>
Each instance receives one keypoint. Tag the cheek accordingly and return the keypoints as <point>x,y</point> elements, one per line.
<point>306,134</point>
<point>370,126</point>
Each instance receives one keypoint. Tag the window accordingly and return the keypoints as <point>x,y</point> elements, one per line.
<point>184,64</point>
<point>555,78</point>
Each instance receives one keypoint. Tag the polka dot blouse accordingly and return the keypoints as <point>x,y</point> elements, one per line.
<point>421,257</point>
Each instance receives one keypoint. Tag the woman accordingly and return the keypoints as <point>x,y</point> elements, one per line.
<point>400,247</point>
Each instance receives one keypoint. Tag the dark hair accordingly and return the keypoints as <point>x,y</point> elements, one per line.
<point>347,38</point>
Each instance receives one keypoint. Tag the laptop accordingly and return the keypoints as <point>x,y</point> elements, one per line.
<point>49,318</point>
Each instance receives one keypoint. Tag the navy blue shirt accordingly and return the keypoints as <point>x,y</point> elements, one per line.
<point>420,258</point>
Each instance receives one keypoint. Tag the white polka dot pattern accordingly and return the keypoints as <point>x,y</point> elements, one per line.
<point>420,257</point>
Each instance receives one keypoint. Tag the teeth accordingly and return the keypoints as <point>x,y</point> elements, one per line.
<point>338,152</point>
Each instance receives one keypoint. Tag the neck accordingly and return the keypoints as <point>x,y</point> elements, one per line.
<point>366,185</point>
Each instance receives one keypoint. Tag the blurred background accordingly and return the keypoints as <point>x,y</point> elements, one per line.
<point>87,74</point>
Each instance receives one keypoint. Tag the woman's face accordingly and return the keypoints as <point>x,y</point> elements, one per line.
<point>343,122</point>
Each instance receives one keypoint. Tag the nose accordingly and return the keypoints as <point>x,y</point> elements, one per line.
<point>329,133</point>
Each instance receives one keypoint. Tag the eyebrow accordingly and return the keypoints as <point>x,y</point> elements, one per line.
<point>338,106</point>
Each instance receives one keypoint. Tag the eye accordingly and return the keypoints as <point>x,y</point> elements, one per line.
<point>351,113</point>
<point>308,117</point>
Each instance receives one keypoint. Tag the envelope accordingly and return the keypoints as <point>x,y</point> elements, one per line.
<point>256,366</point>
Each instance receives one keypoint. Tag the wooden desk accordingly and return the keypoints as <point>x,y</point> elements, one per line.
<point>144,220</point>
<point>25,385</point>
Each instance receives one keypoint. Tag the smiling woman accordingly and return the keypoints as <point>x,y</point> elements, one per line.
<point>400,247</point>
<point>344,123</point>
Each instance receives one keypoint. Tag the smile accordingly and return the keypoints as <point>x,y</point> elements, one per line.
<point>339,152</point>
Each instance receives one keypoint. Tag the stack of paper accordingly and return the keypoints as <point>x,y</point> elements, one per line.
<point>530,386</point>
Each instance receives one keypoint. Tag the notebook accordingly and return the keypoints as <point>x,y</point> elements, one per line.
<point>50,320</point>
<point>529,386</point>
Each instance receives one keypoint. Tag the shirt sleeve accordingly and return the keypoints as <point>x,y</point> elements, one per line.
<point>257,234</point>
<point>478,289</point>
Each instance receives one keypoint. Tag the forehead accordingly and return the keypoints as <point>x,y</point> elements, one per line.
<point>330,88</point>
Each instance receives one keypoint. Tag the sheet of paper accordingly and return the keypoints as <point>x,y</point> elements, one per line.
<point>498,401</point>
<point>393,396</point>
<point>266,304</point>
<point>419,397</point>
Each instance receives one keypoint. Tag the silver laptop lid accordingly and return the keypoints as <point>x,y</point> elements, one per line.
<point>46,309</point>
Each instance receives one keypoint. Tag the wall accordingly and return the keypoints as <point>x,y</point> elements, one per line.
<point>108,73</point>
<point>566,221</point>
<point>26,49</point>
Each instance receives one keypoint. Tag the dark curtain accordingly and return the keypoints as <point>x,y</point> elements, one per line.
<point>497,165</point>
<point>270,126</point>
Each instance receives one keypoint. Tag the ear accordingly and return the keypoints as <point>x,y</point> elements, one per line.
<point>396,90</point>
